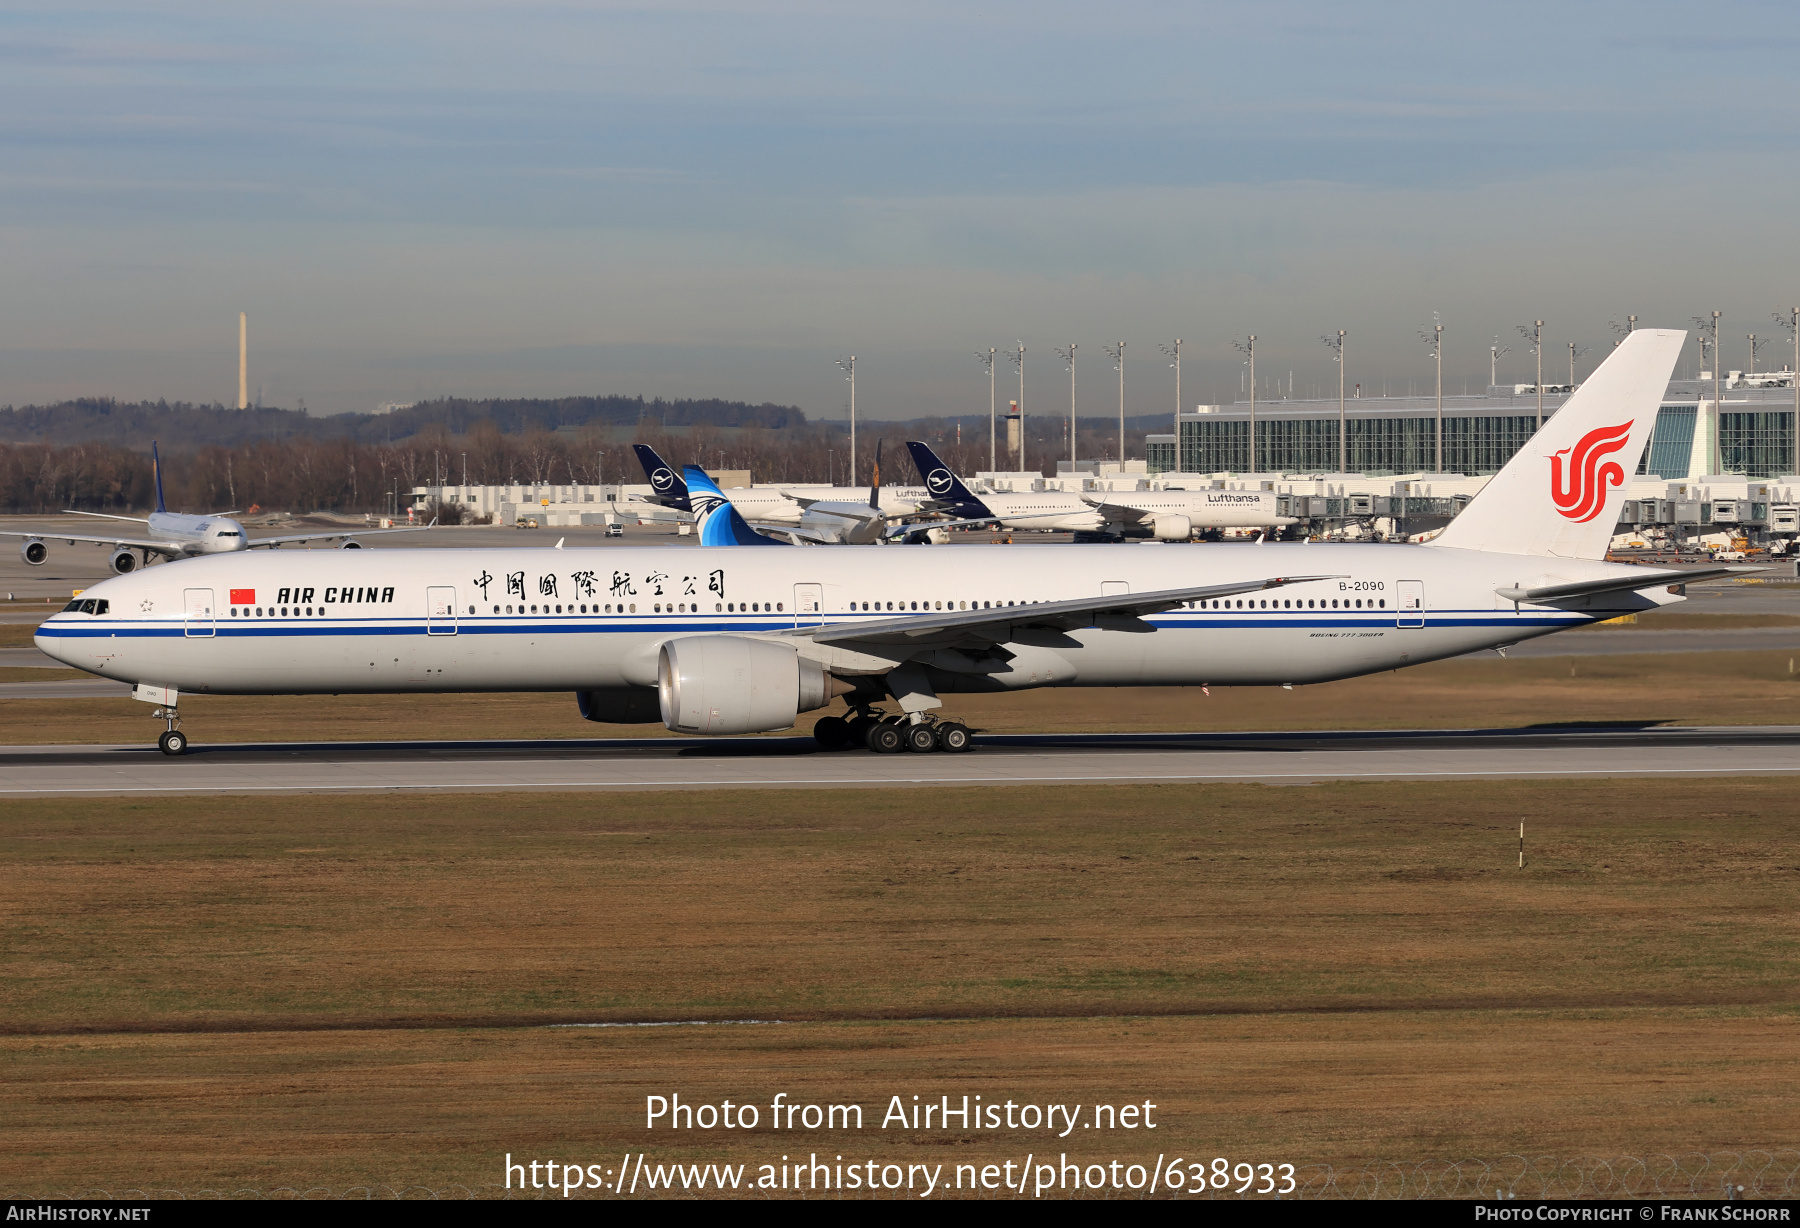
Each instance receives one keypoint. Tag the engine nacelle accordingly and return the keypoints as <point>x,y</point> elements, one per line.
<point>733,684</point>
<point>122,561</point>
<point>34,552</point>
<point>620,705</point>
<point>352,545</point>
<point>1172,528</point>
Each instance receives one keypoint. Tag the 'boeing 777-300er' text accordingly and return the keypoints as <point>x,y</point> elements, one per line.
<point>728,640</point>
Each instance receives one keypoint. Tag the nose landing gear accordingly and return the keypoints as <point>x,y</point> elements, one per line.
<point>171,741</point>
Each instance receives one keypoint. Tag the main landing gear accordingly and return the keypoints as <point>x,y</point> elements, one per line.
<point>886,735</point>
<point>171,741</point>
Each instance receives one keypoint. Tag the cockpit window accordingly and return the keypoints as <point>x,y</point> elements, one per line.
<point>74,607</point>
<point>89,605</point>
<point>227,533</point>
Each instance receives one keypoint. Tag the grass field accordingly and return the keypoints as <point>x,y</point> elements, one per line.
<point>1710,688</point>
<point>222,991</point>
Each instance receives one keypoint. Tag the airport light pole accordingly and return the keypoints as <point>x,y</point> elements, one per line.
<point>1248,349</point>
<point>1754,346</point>
<point>849,367</point>
<point>1117,353</point>
<point>1336,346</point>
<point>1067,354</point>
<point>1435,339</point>
<point>1791,322</point>
<point>1018,360</point>
<point>1495,353</point>
<point>1575,351</point>
<point>1708,331</point>
<point>987,360</point>
<point>1535,335</point>
<point>1174,353</point>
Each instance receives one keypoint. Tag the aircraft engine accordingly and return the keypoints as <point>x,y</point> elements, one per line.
<point>620,705</point>
<point>1172,528</point>
<point>734,684</point>
<point>34,552</point>
<point>352,545</point>
<point>122,561</point>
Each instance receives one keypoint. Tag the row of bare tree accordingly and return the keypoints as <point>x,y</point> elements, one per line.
<point>304,475</point>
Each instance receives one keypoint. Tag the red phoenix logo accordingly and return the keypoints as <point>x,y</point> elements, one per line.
<point>1582,496</point>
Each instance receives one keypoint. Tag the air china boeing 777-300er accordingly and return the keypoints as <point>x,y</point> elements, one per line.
<point>731,640</point>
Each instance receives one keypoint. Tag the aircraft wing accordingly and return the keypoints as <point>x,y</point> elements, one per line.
<point>1619,584</point>
<point>998,625</point>
<point>169,550</point>
<point>794,534</point>
<point>258,543</point>
<point>1118,511</point>
<point>109,516</point>
<point>918,526</point>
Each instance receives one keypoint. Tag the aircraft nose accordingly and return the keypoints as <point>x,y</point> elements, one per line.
<point>55,646</point>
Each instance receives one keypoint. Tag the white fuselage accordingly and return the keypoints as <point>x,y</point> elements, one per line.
<point>1051,510</point>
<point>1204,509</point>
<point>534,619</point>
<point>198,535</point>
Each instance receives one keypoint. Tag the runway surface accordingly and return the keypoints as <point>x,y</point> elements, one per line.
<point>685,763</point>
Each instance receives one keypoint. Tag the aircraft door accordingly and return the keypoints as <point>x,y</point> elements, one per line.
<point>809,605</point>
<point>440,611</point>
<point>1412,603</point>
<point>200,622</point>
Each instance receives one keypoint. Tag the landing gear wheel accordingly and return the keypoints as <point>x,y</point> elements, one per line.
<point>921,739</point>
<point>953,737</point>
<point>172,742</point>
<point>831,733</point>
<point>885,739</point>
<point>857,727</point>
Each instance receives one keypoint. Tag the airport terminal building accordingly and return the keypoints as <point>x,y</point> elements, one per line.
<point>1748,431</point>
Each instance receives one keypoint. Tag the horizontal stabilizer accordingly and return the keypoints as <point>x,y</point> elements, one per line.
<point>1619,584</point>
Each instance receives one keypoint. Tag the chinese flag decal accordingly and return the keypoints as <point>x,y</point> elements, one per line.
<point>243,596</point>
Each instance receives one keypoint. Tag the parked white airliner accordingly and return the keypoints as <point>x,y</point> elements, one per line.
<point>177,535</point>
<point>732,640</point>
<point>1169,515</point>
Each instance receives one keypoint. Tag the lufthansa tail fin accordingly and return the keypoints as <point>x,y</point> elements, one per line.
<point>720,524</point>
<point>670,490</point>
<point>1559,496</point>
<point>942,483</point>
<point>156,475</point>
<point>875,480</point>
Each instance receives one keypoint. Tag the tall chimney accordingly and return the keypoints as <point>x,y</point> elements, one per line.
<point>243,360</point>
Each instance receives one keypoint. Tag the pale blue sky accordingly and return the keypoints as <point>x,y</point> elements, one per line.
<point>717,199</point>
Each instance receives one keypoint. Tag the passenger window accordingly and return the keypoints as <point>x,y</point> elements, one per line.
<point>779,607</point>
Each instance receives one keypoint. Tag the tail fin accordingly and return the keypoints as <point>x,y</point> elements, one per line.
<point>156,475</point>
<point>942,483</point>
<point>875,480</point>
<point>1560,494</point>
<point>720,524</point>
<point>670,490</point>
